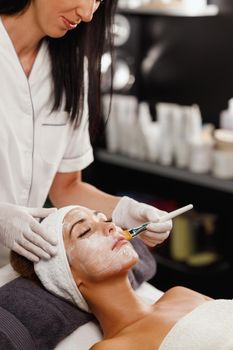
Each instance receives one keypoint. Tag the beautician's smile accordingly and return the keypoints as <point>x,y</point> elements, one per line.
<point>69,25</point>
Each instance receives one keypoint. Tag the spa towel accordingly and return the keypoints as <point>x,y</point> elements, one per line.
<point>47,318</point>
<point>208,327</point>
<point>55,273</point>
<point>13,334</point>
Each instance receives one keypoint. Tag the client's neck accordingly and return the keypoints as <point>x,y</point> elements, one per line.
<point>115,304</point>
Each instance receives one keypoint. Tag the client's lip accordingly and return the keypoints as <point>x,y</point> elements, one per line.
<point>119,242</point>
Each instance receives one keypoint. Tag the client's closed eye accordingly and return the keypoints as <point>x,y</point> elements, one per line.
<point>84,233</point>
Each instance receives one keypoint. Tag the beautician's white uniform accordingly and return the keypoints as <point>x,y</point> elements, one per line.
<point>34,143</point>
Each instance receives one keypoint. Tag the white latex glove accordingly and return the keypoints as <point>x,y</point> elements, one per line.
<point>22,233</point>
<point>129,213</point>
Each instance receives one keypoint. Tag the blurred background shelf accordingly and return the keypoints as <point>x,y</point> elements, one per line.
<point>210,10</point>
<point>209,280</point>
<point>168,171</point>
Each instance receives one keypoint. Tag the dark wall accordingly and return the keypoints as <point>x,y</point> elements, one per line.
<point>192,62</point>
<point>184,60</point>
<point>225,6</point>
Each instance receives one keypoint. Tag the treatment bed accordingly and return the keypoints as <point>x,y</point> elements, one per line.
<point>86,335</point>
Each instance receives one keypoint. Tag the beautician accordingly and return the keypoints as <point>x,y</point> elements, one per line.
<point>50,61</point>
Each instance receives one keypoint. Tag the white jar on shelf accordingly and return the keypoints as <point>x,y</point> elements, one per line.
<point>223,154</point>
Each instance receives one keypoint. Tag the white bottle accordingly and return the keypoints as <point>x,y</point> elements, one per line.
<point>226,116</point>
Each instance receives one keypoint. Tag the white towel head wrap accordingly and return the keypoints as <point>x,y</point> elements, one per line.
<point>55,273</point>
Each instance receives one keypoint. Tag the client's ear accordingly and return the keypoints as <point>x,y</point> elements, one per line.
<point>23,266</point>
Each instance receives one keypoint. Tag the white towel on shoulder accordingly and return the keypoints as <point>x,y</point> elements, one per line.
<point>208,327</point>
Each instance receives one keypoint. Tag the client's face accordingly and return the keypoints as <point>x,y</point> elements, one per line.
<point>95,247</point>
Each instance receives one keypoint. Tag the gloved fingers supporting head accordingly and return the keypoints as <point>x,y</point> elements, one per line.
<point>33,248</point>
<point>21,251</point>
<point>37,240</point>
<point>41,232</point>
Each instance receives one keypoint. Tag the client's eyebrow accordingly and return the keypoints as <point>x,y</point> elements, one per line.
<point>80,221</point>
<point>96,213</point>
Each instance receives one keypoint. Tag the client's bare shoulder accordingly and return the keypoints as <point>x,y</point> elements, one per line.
<point>177,302</point>
<point>110,344</point>
<point>182,294</point>
<point>150,330</point>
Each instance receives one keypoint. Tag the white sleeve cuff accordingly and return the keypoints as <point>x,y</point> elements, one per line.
<point>68,165</point>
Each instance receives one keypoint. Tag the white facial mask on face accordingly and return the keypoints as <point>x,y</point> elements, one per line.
<point>95,256</point>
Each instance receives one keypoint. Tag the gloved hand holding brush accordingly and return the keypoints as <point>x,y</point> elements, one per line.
<point>129,213</point>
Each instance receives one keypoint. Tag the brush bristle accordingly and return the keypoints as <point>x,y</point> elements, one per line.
<point>127,235</point>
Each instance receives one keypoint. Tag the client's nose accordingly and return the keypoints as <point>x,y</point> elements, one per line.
<point>108,228</point>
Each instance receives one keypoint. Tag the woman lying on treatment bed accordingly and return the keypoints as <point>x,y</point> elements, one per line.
<point>91,270</point>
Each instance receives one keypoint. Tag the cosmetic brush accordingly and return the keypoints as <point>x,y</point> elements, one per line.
<point>135,231</point>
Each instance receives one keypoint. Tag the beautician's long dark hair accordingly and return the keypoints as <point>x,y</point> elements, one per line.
<point>67,55</point>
